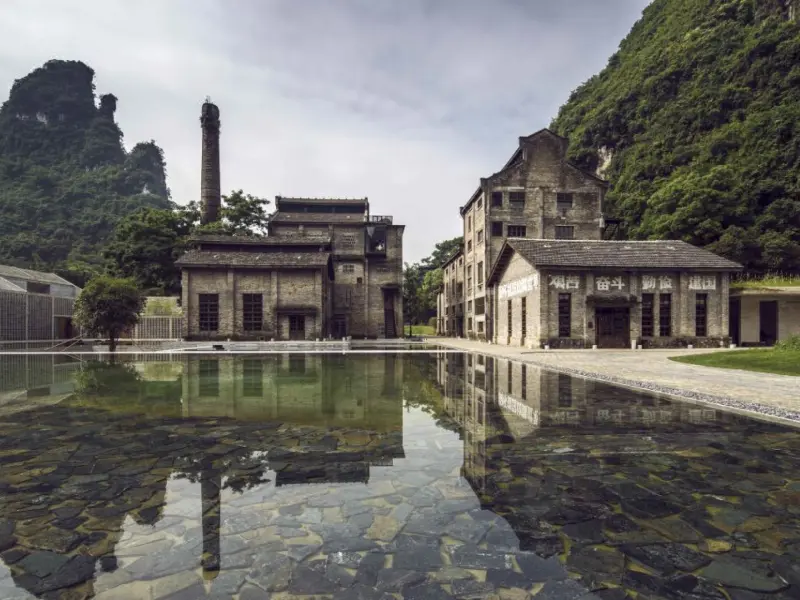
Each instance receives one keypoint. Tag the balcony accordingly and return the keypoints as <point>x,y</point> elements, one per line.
<point>384,219</point>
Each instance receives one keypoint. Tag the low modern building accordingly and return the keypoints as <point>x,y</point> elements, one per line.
<point>610,294</point>
<point>35,307</point>
<point>764,315</point>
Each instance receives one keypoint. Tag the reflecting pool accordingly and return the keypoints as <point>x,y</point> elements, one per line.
<point>420,475</point>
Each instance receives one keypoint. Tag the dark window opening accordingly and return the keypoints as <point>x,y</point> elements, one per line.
<point>647,315</point>
<point>253,378</point>
<point>524,382</point>
<point>519,231</point>
<point>497,229</point>
<point>516,198</point>
<point>480,306</point>
<point>701,315</point>
<point>479,236</point>
<point>524,318</point>
<point>510,377</point>
<point>208,312</point>
<point>510,309</point>
<point>208,376</point>
<point>469,246</point>
<point>565,232</point>
<point>497,198</point>
<point>564,315</point>
<point>252,312</point>
<point>564,391</point>
<point>564,200</point>
<point>665,315</point>
<point>297,326</point>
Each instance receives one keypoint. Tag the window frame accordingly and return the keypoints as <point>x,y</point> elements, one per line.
<point>564,315</point>
<point>665,315</point>
<point>515,229</point>
<point>517,198</point>
<point>701,302</point>
<point>648,315</point>
<point>497,198</point>
<point>497,226</point>
<point>255,320</point>
<point>564,201</point>
<point>563,228</point>
<point>208,322</point>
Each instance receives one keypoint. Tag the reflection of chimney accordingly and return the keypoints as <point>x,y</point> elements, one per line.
<point>210,483</point>
<point>209,185</point>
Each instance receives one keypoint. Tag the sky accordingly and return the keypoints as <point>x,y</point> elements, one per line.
<point>406,102</point>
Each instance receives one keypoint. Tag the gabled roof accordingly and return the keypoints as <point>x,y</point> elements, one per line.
<point>7,271</point>
<point>607,254</point>
<point>455,255</point>
<point>267,241</point>
<point>317,218</point>
<point>254,260</point>
<point>517,156</point>
<point>7,286</point>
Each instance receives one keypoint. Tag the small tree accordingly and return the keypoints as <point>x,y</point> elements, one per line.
<point>107,306</point>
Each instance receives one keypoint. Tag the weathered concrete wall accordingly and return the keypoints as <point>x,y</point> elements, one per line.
<point>788,317</point>
<point>521,274</point>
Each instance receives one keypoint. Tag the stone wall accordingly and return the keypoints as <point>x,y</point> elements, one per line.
<point>280,289</point>
<point>588,289</point>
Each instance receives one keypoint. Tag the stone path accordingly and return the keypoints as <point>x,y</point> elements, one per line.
<point>776,396</point>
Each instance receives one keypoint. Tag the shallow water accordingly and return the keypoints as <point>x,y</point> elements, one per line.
<point>413,475</point>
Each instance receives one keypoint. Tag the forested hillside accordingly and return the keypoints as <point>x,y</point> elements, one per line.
<point>65,177</point>
<point>696,123</point>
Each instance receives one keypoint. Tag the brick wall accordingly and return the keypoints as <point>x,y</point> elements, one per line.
<point>543,316</point>
<point>283,288</point>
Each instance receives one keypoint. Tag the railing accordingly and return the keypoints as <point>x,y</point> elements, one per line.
<point>381,219</point>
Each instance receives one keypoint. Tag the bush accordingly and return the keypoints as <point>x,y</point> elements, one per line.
<point>790,343</point>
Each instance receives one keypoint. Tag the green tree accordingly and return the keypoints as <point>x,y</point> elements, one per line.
<point>422,281</point>
<point>109,306</point>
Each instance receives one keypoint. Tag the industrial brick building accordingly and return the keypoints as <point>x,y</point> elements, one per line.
<point>537,194</point>
<point>535,271</point>
<point>327,268</point>
<point>609,294</point>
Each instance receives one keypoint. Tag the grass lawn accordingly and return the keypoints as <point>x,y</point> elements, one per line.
<point>420,330</point>
<point>767,281</point>
<point>782,362</point>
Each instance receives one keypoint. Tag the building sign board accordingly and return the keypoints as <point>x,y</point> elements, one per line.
<point>519,287</point>
<point>656,282</point>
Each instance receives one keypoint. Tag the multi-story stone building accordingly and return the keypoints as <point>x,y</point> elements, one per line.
<point>537,226</point>
<point>537,194</point>
<point>327,268</point>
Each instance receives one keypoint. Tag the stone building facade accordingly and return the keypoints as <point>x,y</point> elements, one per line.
<point>537,194</point>
<point>610,294</point>
<point>327,268</point>
<point>761,316</point>
<point>367,254</point>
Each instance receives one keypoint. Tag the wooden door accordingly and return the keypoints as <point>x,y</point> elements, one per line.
<point>735,320</point>
<point>339,327</point>
<point>297,327</point>
<point>768,319</point>
<point>613,327</point>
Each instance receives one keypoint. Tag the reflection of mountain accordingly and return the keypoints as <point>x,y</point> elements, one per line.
<point>71,473</point>
<point>606,478</point>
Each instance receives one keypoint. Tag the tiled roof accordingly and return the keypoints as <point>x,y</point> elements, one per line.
<point>294,217</point>
<point>657,254</point>
<point>295,240</point>
<point>35,276</point>
<point>254,260</point>
<point>323,201</point>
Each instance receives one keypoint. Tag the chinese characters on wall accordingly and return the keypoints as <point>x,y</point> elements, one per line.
<point>656,282</point>
<point>518,287</point>
<point>604,283</point>
<point>702,282</point>
<point>565,282</point>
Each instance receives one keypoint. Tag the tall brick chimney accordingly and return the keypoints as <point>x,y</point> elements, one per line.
<point>210,196</point>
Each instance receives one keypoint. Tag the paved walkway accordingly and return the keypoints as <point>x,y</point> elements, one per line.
<point>741,391</point>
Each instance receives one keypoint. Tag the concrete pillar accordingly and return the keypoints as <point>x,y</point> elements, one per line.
<point>723,297</point>
<point>272,302</point>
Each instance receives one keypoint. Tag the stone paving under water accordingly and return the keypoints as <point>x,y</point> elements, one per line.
<point>418,476</point>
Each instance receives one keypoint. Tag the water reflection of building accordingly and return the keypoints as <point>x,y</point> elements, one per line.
<point>497,402</point>
<point>325,419</point>
<point>35,378</point>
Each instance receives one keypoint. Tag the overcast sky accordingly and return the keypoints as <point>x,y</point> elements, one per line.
<point>408,102</point>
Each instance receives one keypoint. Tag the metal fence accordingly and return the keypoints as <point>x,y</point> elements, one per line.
<point>157,328</point>
<point>26,317</point>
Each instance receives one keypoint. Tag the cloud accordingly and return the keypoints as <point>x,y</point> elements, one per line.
<point>408,103</point>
